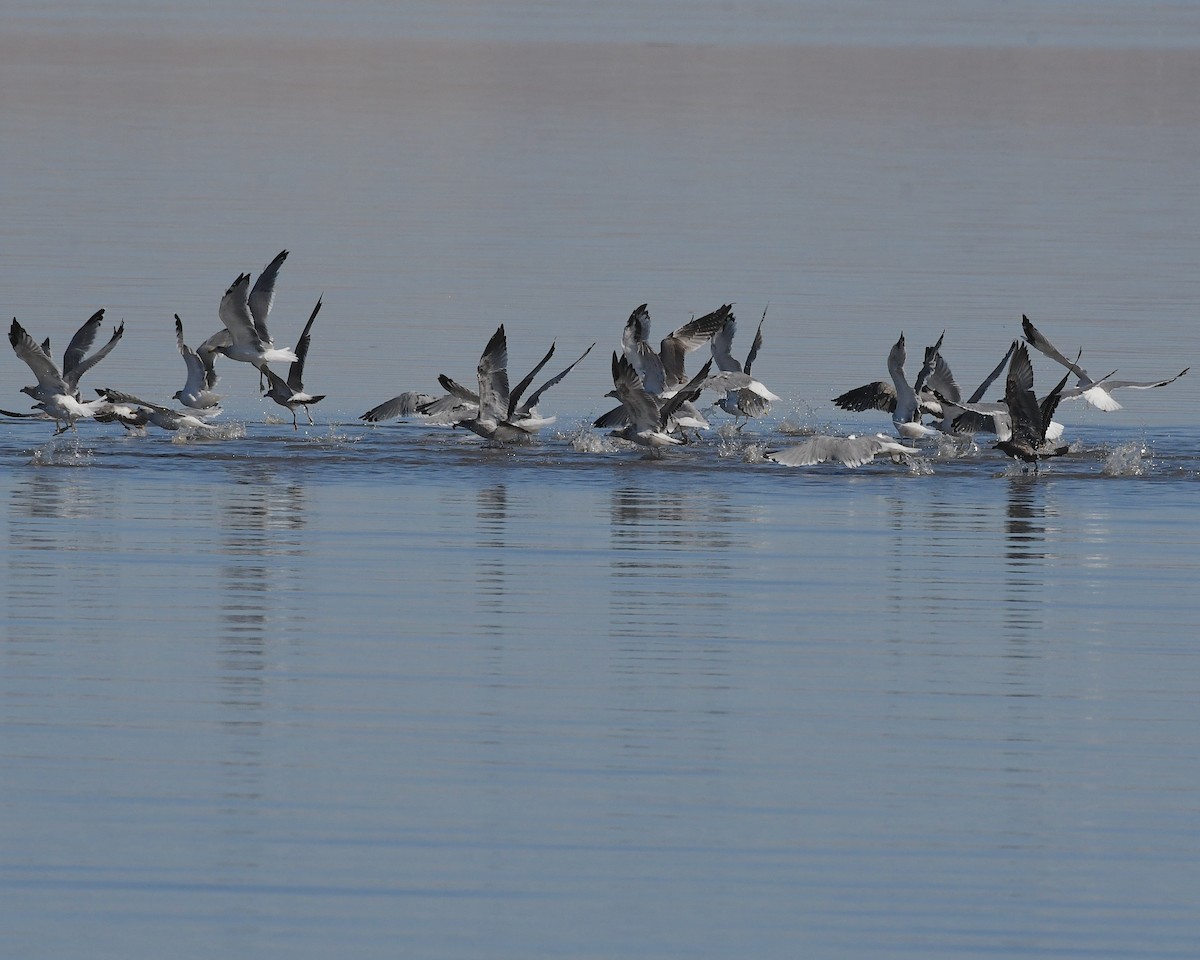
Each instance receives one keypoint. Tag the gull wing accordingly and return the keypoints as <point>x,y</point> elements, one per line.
<point>722,347</point>
<point>1050,403</point>
<point>1039,343</point>
<point>235,313</point>
<point>536,395</point>
<point>685,394</point>
<point>1022,404</point>
<point>196,375</point>
<point>640,409</point>
<point>117,396</point>
<point>691,336</point>
<point>30,351</point>
<point>870,396</point>
<point>295,378</point>
<point>757,344</point>
<point>991,377</point>
<point>514,396</point>
<point>207,352</point>
<point>262,296</point>
<point>493,376</point>
<point>81,366</point>
<point>850,451</point>
<point>404,405</point>
<point>81,343</point>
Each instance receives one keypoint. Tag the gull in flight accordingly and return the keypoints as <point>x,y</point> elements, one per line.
<point>290,393</point>
<point>647,417</point>
<point>76,362</point>
<point>499,413</point>
<point>956,418</point>
<point>197,391</point>
<point>57,391</point>
<point>1096,392</point>
<point>662,372</point>
<point>744,395</point>
<point>130,410</point>
<point>851,451</point>
<point>1028,418</point>
<point>905,402</point>
<point>244,311</point>
<point>405,405</point>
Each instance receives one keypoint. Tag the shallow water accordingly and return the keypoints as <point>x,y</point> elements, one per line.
<point>380,691</point>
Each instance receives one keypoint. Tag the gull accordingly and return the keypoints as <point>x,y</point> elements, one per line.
<point>499,413</point>
<point>852,451</point>
<point>1029,418</point>
<point>244,311</point>
<point>974,416</point>
<point>744,395</point>
<point>899,397</point>
<point>58,393</point>
<point>197,391</point>
<point>647,418</point>
<point>132,418</point>
<point>154,413</point>
<point>662,372</point>
<point>405,405</point>
<point>290,392</point>
<point>955,416</point>
<point>1095,392</point>
<point>75,360</point>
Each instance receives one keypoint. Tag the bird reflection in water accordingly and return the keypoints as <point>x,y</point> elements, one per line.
<point>60,530</point>
<point>261,525</point>
<point>673,557</point>
<point>491,566</point>
<point>1025,555</point>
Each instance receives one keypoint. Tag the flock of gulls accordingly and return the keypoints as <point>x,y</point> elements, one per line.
<point>658,403</point>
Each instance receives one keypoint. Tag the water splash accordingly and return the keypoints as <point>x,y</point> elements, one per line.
<point>1132,459</point>
<point>755,452</point>
<point>62,452</point>
<point>233,430</point>
<point>586,440</point>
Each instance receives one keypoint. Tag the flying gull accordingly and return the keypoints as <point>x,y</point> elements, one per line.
<point>290,393</point>
<point>744,395</point>
<point>197,391</point>
<point>851,451</point>
<point>647,417</point>
<point>244,311</point>
<point>900,398</point>
<point>1096,392</point>
<point>57,392</point>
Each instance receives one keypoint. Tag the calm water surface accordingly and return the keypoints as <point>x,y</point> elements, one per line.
<point>383,692</point>
<point>388,691</point>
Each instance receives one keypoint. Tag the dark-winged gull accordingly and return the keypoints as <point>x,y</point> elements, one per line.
<point>1029,418</point>
<point>290,393</point>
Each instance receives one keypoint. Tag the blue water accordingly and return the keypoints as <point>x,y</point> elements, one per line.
<point>385,691</point>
